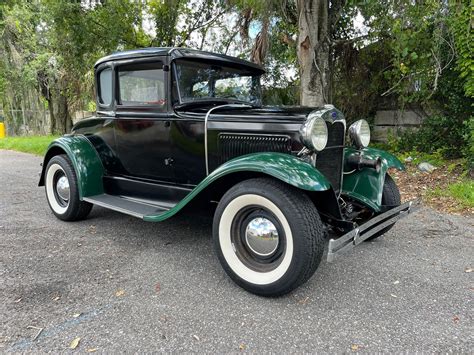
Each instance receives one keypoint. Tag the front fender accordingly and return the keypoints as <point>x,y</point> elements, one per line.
<point>84,158</point>
<point>284,167</point>
<point>366,185</point>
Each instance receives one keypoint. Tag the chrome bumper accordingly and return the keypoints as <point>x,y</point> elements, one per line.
<point>356,236</point>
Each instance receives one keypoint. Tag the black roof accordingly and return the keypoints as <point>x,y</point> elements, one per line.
<point>178,52</point>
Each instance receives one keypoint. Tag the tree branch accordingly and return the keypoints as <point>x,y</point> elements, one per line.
<point>196,27</point>
<point>337,42</point>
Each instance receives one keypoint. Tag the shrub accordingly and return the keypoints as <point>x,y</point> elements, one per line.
<point>468,150</point>
<point>451,130</point>
<point>438,133</point>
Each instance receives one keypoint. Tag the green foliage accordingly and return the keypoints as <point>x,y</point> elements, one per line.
<point>359,79</point>
<point>435,158</point>
<point>33,144</point>
<point>462,23</point>
<point>165,14</point>
<point>416,53</point>
<point>3,79</point>
<point>421,42</point>
<point>451,130</point>
<point>462,191</point>
<point>91,106</point>
<point>438,133</point>
<point>176,20</point>
<point>468,147</point>
<point>281,96</point>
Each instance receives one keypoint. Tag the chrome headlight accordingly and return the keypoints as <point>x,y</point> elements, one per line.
<point>314,133</point>
<point>359,133</point>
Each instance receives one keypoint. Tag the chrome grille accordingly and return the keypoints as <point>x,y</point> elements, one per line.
<point>232,145</point>
<point>329,161</point>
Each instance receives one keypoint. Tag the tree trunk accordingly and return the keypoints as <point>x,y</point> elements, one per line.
<point>313,51</point>
<point>260,48</point>
<point>60,118</point>
<point>52,117</point>
<point>63,118</point>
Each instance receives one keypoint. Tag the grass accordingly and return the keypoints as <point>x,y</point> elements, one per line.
<point>31,144</point>
<point>436,158</point>
<point>462,191</point>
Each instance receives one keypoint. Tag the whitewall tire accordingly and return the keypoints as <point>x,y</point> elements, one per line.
<point>62,190</point>
<point>53,175</point>
<point>268,236</point>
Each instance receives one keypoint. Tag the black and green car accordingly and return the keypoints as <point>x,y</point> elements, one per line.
<point>176,127</point>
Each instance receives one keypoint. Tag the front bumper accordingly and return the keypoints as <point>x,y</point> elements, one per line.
<point>356,236</point>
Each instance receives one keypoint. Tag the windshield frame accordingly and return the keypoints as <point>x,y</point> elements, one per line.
<point>176,90</point>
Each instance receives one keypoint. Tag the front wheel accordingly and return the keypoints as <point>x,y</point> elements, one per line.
<point>62,190</point>
<point>268,236</point>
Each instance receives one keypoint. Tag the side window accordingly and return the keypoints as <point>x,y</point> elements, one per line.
<point>142,84</point>
<point>105,87</point>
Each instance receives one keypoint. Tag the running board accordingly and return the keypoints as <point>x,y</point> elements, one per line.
<point>127,205</point>
<point>356,236</point>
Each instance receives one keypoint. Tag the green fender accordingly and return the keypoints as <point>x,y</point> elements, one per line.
<point>366,185</point>
<point>84,158</point>
<point>284,167</point>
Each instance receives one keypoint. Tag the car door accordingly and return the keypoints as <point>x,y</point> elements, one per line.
<point>142,129</point>
<point>187,142</point>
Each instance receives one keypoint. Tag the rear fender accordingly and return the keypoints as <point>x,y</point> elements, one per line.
<point>84,158</point>
<point>366,185</point>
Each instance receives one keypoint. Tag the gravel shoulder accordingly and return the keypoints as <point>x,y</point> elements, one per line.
<point>121,284</point>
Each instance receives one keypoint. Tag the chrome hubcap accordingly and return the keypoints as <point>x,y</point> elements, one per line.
<point>62,188</point>
<point>261,236</point>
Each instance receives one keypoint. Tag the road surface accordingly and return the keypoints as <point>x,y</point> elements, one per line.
<point>121,284</point>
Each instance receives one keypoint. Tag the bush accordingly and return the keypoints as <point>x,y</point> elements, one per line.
<point>451,130</point>
<point>438,133</point>
<point>468,150</point>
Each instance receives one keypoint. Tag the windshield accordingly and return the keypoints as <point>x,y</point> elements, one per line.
<point>198,81</point>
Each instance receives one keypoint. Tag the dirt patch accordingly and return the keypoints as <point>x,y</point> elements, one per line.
<point>414,183</point>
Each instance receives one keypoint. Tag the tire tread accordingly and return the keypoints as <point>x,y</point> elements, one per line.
<point>306,216</point>
<point>77,209</point>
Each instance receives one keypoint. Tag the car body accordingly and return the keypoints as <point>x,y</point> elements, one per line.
<point>176,126</point>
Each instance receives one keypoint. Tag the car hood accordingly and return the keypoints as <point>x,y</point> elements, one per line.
<point>286,113</point>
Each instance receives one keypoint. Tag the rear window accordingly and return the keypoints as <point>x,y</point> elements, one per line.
<point>105,87</point>
<point>141,84</point>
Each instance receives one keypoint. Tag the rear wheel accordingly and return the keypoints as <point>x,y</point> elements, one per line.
<point>268,236</point>
<point>390,197</point>
<point>62,191</point>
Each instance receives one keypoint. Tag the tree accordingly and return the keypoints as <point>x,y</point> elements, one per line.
<point>313,51</point>
<point>313,23</point>
<point>48,47</point>
<point>322,25</point>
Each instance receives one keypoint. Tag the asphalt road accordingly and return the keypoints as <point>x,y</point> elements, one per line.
<point>121,284</point>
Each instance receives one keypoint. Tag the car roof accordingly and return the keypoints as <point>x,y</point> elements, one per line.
<point>179,52</point>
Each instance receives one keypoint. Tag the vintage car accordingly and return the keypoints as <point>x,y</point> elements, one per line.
<point>177,126</point>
